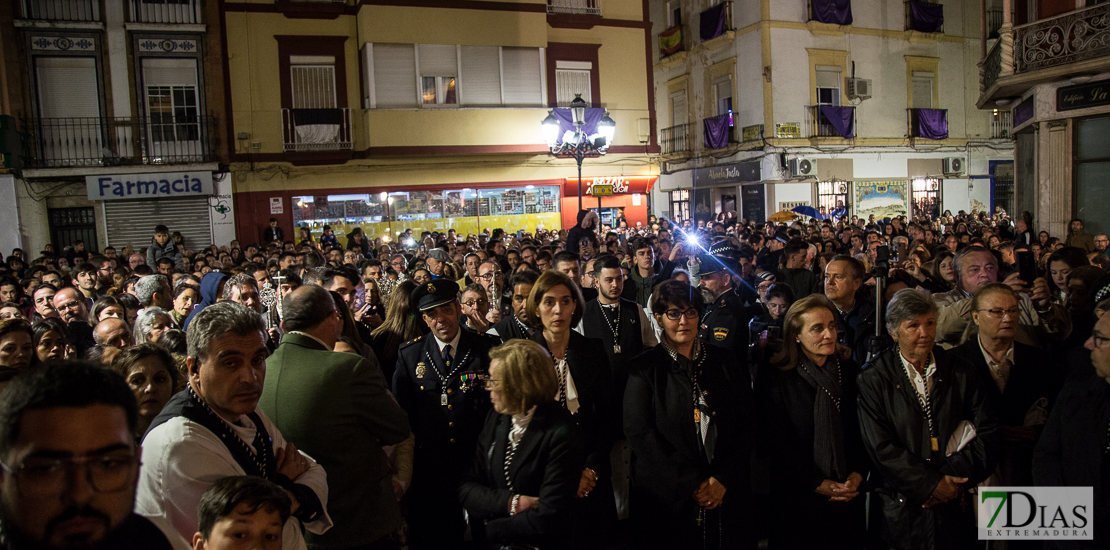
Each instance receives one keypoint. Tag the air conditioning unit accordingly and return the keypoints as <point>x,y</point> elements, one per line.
<point>859,88</point>
<point>954,166</point>
<point>803,167</point>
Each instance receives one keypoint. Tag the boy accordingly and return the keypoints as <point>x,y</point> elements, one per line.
<point>241,512</point>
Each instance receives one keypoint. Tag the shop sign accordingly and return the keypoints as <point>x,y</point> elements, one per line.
<point>601,190</point>
<point>609,185</point>
<point>788,130</point>
<point>1082,96</point>
<point>729,173</point>
<point>1023,111</point>
<point>753,133</point>
<point>148,186</point>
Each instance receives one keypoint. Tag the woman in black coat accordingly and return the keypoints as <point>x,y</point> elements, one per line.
<point>808,406</point>
<point>555,306</point>
<point>690,426</point>
<point>525,474</point>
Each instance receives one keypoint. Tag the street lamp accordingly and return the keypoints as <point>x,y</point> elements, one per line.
<point>576,143</point>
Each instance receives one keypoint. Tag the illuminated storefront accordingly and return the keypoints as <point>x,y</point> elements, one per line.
<point>613,197</point>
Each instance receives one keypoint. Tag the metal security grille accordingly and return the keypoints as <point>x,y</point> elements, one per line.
<point>133,221</point>
<point>313,86</point>
<point>69,225</point>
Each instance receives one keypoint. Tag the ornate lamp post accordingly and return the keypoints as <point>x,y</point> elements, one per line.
<point>576,143</point>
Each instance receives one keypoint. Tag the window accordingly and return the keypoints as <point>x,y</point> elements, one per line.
<point>522,74</point>
<point>722,90</point>
<point>680,204</point>
<point>171,98</point>
<point>828,85</point>
<point>678,108</point>
<point>1092,173</point>
<point>926,197</point>
<point>674,14</point>
<point>922,90</point>
<point>439,68</point>
<point>394,73</point>
<point>572,78</point>
<point>831,194</point>
<point>313,81</point>
<point>481,74</point>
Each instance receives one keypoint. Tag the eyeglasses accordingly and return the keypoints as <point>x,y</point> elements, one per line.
<point>472,303</point>
<point>1099,340</point>
<point>489,275</point>
<point>48,477</point>
<point>491,383</point>
<point>674,314</point>
<point>71,305</point>
<point>999,313</point>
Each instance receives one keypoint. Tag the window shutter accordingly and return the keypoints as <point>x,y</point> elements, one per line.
<point>129,221</point>
<point>521,70</point>
<point>168,71</point>
<point>438,60</point>
<point>828,76</point>
<point>922,92</point>
<point>481,75</point>
<point>394,75</point>
<point>67,87</point>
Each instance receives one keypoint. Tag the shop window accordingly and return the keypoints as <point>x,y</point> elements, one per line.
<point>926,197</point>
<point>1092,174</point>
<point>680,204</point>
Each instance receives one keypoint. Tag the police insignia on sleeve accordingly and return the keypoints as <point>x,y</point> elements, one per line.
<point>720,333</point>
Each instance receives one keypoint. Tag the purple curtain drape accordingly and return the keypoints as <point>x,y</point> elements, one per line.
<point>842,119</point>
<point>925,17</point>
<point>566,121</point>
<point>713,22</point>
<point>716,132</point>
<point>932,123</point>
<point>837,12</point>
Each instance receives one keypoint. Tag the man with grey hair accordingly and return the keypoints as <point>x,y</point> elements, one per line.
<point>929,431</point>
<point>360,418</point>
<point>154,291</point>
<point>243,289</point>
<point>1041,320</point>
<point>214,429</point>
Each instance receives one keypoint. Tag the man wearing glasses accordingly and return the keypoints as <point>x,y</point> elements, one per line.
<point>492,279</point>
<point>1101,243</point>
<point>73,310</point>
<point>475,308</point>
<point>70,463</point>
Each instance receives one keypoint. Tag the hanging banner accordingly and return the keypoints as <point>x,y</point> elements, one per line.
<point>882,199</point>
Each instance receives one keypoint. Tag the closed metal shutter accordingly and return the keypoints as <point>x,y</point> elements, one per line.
<point>133,221</point>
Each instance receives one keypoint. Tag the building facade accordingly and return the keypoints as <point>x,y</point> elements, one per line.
<point>107,124</point>
<point>1049,65</point>
<point>768,105</point>
<point>386,116</point>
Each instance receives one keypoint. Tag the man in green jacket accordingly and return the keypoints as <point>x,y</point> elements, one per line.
<point>335,407</point>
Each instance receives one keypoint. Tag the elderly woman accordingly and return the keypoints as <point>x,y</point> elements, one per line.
<point>185,296</point>
<point>582,370</point>
<point>529,457</point>
<point>928,429</point>
<point>151,373</point>
<point>687,416</point>
<point>808,405</point>
<point>50,339</point>
<point>150,324</point>
<point>16,348</point>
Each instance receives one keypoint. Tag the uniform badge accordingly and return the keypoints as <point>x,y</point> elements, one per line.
<point>431,289</point>
<point>720,333</point>
<point>421,369</point>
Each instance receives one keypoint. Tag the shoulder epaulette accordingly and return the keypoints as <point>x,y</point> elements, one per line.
<point>413,341</point>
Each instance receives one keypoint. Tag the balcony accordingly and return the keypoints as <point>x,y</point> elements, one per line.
<point>60,10</point>
<point>574,7</point>
<point>676,139</point>
<point>820,126</point>
<point>103,141</point>
<point>314,130</point>
<point>924,17</point>
<point>719,131</point>
<point>1001,124</point>
<point>928,123</point>
<point>1075,36</point>
<point>671,42</point>
<point>716,21</point>
<point>174,12</point>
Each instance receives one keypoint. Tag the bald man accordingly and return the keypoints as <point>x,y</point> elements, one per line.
<point>113,332</point>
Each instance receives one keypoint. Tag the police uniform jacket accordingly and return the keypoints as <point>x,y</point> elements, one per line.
<point>445,434</point>
<point>725,325</point>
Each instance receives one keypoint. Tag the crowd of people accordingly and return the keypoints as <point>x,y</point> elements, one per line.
<point>720,383</point>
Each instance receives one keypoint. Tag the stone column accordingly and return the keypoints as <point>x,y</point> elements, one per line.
<point>1055,171</point>
<point>1006,39</point>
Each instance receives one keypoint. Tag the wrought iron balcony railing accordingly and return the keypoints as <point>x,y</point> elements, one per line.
<point>317,129</point>
<point>60,10</point>
<point>676,138</point>
<point>165,11</point>
<point>578,7</point>
<point>104,141</point>
<point>1074,36</point>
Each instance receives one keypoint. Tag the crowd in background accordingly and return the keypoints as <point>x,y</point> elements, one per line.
<point>703,383</point>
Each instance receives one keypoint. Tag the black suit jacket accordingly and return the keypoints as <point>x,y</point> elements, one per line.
<point>1071,453</point>
<point>547,465</point>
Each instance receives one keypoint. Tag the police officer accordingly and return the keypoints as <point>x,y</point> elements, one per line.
<point>725,323</point>
<point>438,382</point>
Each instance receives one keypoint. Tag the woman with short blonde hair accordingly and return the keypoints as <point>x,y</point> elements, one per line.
<point>529,457</point>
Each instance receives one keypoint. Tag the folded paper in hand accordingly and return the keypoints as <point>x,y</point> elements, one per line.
<point>965,432</point>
